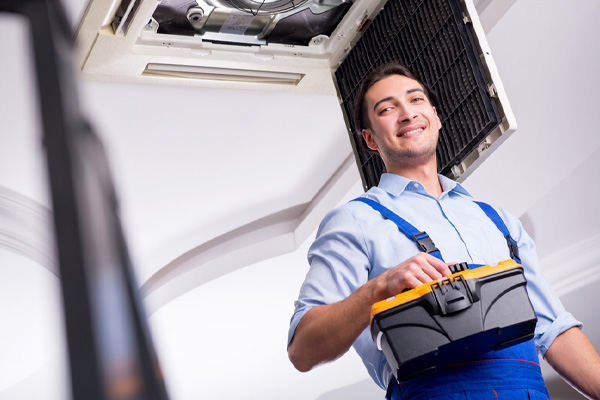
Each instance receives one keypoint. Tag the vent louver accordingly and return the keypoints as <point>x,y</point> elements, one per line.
<point>222,74</point>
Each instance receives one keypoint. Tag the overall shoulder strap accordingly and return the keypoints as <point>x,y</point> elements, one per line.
<point>497,220</point>
<point>421,238</point>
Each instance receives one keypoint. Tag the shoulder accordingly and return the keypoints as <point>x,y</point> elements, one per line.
<point>353,216</point>
<point>509,219</point>
<point>352,212</point>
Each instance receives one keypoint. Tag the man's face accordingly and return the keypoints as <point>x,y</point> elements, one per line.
<point>404,124</point>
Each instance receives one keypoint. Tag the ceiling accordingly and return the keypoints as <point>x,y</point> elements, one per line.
<point>229,185</point>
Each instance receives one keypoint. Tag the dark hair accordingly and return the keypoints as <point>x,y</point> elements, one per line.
<point>361,115</point>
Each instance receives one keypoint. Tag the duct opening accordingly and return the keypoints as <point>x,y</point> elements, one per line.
<point>244,22</point>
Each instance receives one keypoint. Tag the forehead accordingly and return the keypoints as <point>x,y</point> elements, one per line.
<point>391,86</point>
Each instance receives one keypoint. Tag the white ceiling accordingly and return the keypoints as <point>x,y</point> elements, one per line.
<point>195,164</point>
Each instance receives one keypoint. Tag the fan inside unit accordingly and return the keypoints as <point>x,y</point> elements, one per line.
<point>251,22</point>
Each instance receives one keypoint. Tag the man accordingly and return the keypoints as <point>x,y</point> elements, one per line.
<point>359,258</point>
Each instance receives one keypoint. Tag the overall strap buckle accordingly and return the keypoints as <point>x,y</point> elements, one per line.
<point>424,242</point>
<point>513,248</point>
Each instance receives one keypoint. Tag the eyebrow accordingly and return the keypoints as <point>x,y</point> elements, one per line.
<point>409,91</point>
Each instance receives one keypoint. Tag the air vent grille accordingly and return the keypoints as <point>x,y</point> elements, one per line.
<point>222,74</point>
<point>432,39</point>
<point>124,16</point>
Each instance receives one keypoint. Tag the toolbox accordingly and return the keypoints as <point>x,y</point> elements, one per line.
<point>454,319</point>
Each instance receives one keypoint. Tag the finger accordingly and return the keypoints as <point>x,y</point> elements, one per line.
<point>420,272</point>
<point>412,282</point>
<point>432,266</point>
<point>439,265</point>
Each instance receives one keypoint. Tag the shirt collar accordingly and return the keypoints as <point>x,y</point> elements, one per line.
<point>449,185</point>
<point>396,184</point>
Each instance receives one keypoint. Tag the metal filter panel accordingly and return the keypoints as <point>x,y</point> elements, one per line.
<point>433,39</point>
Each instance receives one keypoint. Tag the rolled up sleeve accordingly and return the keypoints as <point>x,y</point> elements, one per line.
<point>338,265</point>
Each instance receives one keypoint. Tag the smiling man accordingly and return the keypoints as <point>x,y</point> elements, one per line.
<point>403,126</point>
<point>360,257</point>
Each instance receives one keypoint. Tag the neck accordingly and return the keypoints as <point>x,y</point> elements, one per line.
<point>425,175</point>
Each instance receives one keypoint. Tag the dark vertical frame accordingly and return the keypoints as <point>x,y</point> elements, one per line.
<point>110,350</point>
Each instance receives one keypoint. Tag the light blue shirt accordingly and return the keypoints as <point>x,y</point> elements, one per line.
<point>355,243</point>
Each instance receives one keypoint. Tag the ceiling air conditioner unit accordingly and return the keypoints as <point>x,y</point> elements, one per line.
<point>288,45</point>
<point>309,46</point>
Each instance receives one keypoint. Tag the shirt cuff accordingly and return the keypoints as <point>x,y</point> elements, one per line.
<point>545,335</point>
<point>295,321</point>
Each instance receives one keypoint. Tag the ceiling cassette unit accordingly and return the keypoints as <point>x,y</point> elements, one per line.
<point>288,45</point>
<point>309,46</point>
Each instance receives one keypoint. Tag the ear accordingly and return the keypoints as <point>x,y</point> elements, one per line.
<point>437,118</point>
<point>369,139</point>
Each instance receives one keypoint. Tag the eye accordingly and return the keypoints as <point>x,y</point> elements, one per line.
<point>384,110</point>
<point>418,99</point>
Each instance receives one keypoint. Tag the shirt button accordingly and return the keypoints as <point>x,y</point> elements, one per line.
<point>416,185</point>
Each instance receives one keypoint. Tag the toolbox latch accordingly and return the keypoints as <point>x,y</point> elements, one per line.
<point>424,242</point>
<point>452,295</point>
<point>463,266</point>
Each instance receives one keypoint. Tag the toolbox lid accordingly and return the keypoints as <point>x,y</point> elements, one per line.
<point>425,288</point>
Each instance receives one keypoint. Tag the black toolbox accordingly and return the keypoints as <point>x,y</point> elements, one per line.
<point>454,319</point>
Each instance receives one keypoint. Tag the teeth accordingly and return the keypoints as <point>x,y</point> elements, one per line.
<point>411,132</point>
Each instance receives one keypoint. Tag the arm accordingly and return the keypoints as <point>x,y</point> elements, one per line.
<point>326,332</point>
<point>576,360</point>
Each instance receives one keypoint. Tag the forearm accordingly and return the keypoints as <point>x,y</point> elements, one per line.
<point>576,360</point>
<point>326,332</point>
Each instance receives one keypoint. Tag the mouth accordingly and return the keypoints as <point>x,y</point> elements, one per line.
<point>411,132</point>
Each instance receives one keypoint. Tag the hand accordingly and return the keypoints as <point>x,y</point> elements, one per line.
<point>415,271</point>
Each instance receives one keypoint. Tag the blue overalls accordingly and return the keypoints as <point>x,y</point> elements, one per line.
<point>511,373</point>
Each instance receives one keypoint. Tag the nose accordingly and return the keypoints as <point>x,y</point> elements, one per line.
<point>406,113</point>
